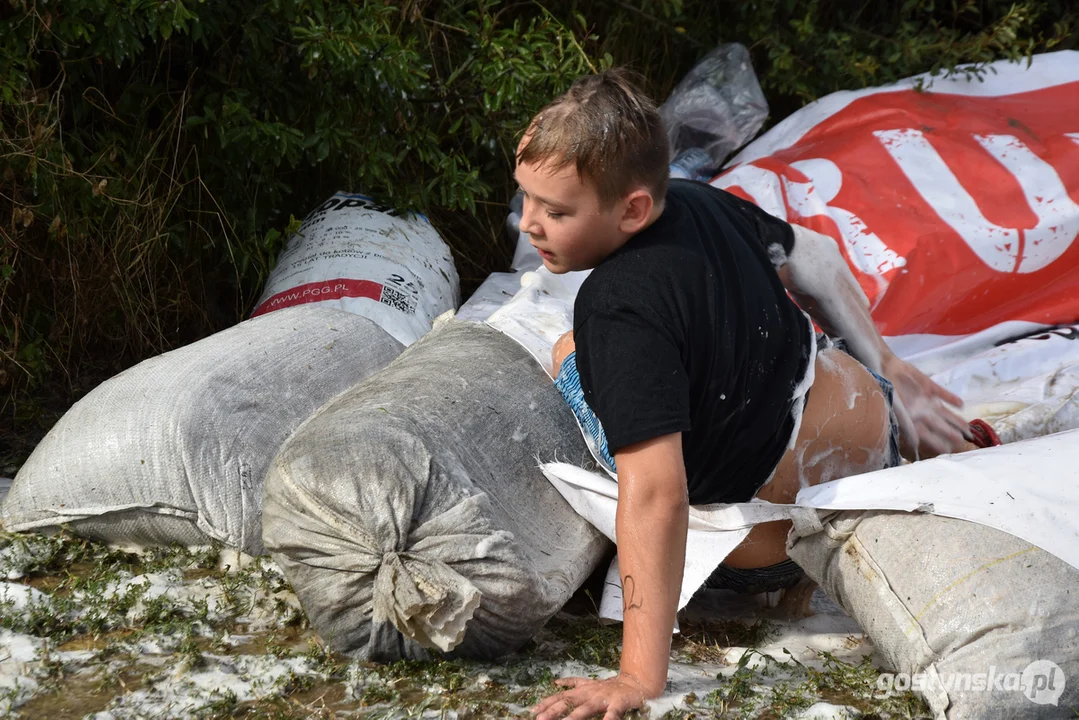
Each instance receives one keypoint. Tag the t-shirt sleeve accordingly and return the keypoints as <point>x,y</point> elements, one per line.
<point>775,236</point>
<point>632,376</point>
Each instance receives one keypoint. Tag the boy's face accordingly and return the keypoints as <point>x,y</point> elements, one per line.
<point>565,220</point>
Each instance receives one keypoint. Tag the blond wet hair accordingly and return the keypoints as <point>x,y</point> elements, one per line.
<point>609,130</point>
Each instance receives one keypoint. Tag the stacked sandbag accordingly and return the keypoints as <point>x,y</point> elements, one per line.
<point>175,449</point>
<point>355,255</point>
<point>981,623</point>
<point>410,513</point>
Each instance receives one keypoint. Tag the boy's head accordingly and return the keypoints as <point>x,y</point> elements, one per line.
<point>593,165</point>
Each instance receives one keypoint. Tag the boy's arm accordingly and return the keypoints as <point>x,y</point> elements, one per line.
<point>651,525</point>
<point>818,277</point>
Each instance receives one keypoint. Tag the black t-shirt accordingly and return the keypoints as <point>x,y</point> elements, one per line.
<point>687,327</point>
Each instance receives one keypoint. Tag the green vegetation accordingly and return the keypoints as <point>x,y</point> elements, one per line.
<point>153,156</point>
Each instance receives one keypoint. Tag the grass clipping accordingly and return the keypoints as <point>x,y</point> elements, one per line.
<point>95,632</point>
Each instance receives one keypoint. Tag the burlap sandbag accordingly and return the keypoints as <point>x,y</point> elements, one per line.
<point>973,615</point>
<point>175,449</point>
<point>410,514</point>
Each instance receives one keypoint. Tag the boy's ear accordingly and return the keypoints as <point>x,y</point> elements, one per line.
<point>638,209</point>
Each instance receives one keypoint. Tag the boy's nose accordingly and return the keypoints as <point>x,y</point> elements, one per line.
<point>530,218</point>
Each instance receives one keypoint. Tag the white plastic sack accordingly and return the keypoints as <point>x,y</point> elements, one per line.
<point>717,107</point>
<point>409,514</point>
<point>354,255</point>
<point>493,293</point>
<point>175,449</point>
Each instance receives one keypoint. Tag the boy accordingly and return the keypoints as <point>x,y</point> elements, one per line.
<point>696,362</point>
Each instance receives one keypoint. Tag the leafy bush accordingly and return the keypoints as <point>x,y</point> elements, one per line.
<point>152,153</point>
<point>803,49</point>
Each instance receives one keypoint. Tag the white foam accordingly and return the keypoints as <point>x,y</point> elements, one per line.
<point>20,596</point>
<point>182,692</point>
<point>18,660</point>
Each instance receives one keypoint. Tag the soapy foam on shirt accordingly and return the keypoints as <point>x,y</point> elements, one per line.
<point>818,270</point>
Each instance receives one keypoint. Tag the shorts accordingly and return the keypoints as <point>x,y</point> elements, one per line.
<point>891,455</point>
<point>568,383</point>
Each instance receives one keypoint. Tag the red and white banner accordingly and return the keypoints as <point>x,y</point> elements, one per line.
<point>957,208</point>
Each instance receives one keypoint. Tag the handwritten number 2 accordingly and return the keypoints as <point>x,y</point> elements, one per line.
<point>630,601</point>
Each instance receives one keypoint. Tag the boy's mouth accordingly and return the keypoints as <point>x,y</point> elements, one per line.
<point>544,254</point>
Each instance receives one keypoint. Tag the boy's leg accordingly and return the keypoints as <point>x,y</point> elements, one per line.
<point>846,430</point>
<point>561,350</point>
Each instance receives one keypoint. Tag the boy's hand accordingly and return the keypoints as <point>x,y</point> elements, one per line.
<point>926,422</point>
<point>611,698</point>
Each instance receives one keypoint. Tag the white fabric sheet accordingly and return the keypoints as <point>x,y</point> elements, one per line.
<point>1029,489</point>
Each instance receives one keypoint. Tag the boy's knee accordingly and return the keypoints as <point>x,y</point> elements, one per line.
<point>562,348</point>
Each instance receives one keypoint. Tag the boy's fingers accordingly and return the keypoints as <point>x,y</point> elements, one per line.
<point>568,703</point>
<point>599,704</point>
<point>586,699</point>
<point>616,710</point>
<point>589,708</point>
<point>959,427</point>
<point>545,704</point>
<point>947,396</point>
<point>539,708</point>
<point>925,385</point>
<point>943,435</point>
<point>947,423</point>
<point>560,707</point>
<point>936,428</point>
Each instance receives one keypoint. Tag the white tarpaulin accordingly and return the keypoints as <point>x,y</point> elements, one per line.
<point>1028,489</point>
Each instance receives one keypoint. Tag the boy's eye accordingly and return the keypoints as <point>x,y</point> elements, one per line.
<point>554,215</point>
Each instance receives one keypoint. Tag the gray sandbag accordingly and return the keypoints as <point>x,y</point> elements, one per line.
<point>175,449</point>
<point>984,625</point>
<point>410,513</point>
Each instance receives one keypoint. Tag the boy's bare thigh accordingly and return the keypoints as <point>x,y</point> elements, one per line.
<point>844,431</point>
